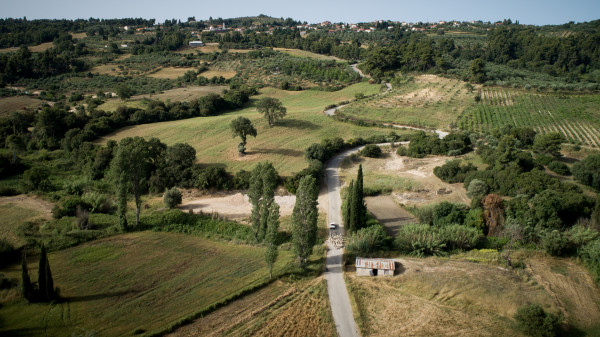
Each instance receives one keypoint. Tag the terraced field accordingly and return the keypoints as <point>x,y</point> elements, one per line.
<point>575,116</point>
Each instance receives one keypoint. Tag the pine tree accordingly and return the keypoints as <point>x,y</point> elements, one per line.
<point>271,238</point>
<point>304,218</point>
<point>27,287</point>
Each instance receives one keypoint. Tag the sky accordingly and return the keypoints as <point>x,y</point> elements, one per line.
<point>536,12</point>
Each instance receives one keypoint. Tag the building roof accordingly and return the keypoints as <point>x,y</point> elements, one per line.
<point>388,264</point>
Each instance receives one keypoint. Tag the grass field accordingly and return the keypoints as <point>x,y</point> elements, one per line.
<point>15,103</point>
<point>426,100</point>
<point>304,53</point>
<point>17,210</point>
<point>218,73</point>
<point>180,94</point>
<point>171,72</point>
<point>576,116</point>
<point>283,144</point>
<point>140,281</point>
<point>34,49</point>
<point>444,297</point>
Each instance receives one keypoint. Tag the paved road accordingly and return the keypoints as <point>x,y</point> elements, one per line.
<point>336,287</point>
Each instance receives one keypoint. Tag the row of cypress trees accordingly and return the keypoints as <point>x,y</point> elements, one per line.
<point>45,291</point>
<point>355,210</point>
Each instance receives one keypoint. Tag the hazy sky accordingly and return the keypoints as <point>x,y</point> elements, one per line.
<point>537,12</point>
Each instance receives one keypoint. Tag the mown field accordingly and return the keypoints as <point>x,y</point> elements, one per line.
<point>283,144</point>
<point>10,104</point>
<point>307,54</point>
<point>425,100</point>
<point>441,297</point>
<point>576,116</point>
<point>184,94</point>
<point>138,282</point>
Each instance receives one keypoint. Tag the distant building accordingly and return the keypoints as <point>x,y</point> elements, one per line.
<point>196,44</point>
<point>375,267</point>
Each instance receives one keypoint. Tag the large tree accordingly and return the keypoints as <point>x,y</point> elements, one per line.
<point>548,144</point>
<point>272,109</point>
<point>242,127</point>
<point>271,252</point>
<point>261,193</point>
<point>131,168</point>
<point>304,218</point>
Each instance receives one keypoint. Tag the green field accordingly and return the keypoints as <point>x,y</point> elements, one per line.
<point>283,144</point>
<point>143,281</point>
<point>576,116</point>
<point>425,101</point>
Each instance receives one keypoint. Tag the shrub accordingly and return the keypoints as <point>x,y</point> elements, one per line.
<point>590,254</point>
<point>429,244</point>
<point>587,171</point>
<point>453,172</point>
<point>37,178</point>
<point>368,240</point>
<point>446,213</point>
<point>371,150</point>
<point>460,237</point>
<point>559,168</point>
<point>241,180</point>
<point>534,321</point>
<point>556,243</point>
<point>172,198</point>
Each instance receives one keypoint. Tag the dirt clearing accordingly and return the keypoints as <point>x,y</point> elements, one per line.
<point>238,207</point>
<point>387,211</point>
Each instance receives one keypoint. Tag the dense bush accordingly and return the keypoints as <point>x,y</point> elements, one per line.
<point>559,168</point>
<point>368,240</point>
<point>422,239</point>
<point>590,254</point>
<point>453,172</point>
<point>534,321</point>
<point>587,171</point>
<point>423,144</point>
<point>172,197</point>
<point>371,150</point>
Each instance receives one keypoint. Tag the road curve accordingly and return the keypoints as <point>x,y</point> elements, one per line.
<point>336,287</point>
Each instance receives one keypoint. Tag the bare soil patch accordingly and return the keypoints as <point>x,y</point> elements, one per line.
<point>387,211</point>
<point>171,72</point>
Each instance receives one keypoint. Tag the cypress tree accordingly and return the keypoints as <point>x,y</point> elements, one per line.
<point>271,237</point>
<point>346,211</point>
<point>27,287</point>
<point>262,194</point>
<point>42,274</point>
<point>45,282</point>
<point>360,200</point>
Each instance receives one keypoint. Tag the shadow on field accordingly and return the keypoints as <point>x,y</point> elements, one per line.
<point>297,124</point>
<point>24,332</point>
<point>96,296</point>
<point>283,152</point>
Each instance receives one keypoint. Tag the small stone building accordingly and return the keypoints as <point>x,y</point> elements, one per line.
<point>374,267</point>
<point>196,44</point>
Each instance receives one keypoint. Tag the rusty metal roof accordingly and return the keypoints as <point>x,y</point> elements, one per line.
<point>375,263</point>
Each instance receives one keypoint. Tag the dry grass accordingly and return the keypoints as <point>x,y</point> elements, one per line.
<point>304,53</point>
<point>171,72</point>
<point>455,298</point>
<point>17,210</point>
<point>225,73</point>
<point>185,94</point>
<point>427,100</point>
<point>34,49</point>
<point>281,309</point>
<point>14,103</point>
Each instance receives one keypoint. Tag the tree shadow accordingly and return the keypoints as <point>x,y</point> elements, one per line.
<point>94,297</point>
<point>283,152</point>
<point>399,268</point>
<point>297,124</point>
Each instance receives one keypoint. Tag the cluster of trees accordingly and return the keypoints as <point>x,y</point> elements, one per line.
<point>44,290</point>
<point>423,144</point>
<point>57,126</point>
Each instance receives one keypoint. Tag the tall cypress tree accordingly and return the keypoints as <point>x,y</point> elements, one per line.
<point>45,282</point>
<point>359,200</point>
<point>304,218</point>
<point>27,287</point>
<point>271,238</point>
<point>262,194</point>
<point>346,213</point>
